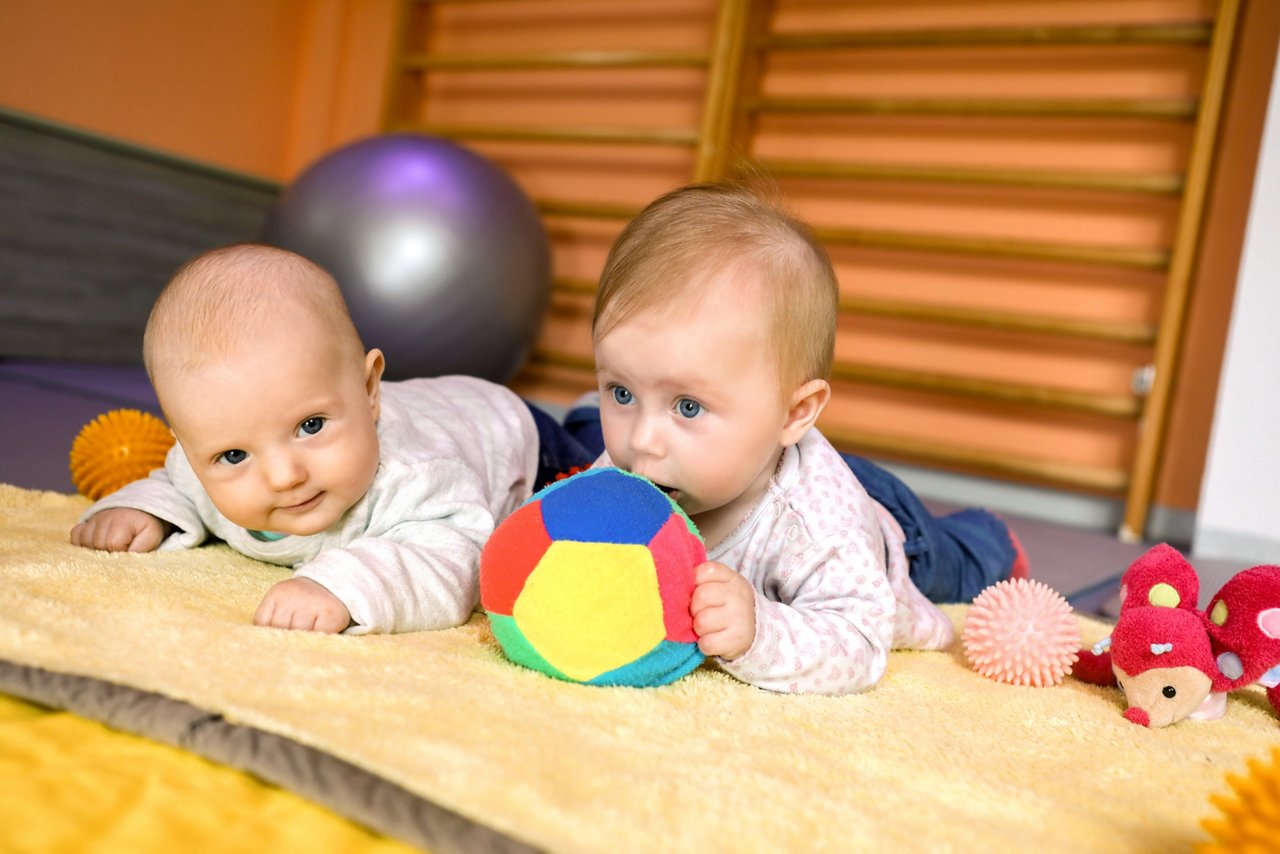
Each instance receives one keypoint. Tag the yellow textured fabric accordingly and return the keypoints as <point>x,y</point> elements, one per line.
<point>935,757</point>
<point>73,785</point>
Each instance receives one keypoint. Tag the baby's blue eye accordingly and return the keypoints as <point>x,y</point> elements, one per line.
<point>311,426</point>
<point>234,457</point>
<point>688,408</point>
<point>622,395</point>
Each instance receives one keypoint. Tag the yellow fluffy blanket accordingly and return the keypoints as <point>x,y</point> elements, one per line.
<point>935,757</point>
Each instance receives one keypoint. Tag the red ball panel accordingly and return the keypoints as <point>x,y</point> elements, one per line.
<point>510,555</point>
<point>676,554</point>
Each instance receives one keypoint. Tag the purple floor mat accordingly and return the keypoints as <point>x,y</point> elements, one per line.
<point>43,405</point>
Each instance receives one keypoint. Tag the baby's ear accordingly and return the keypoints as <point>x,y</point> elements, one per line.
<point>374,365</point>
<point>807,403</point>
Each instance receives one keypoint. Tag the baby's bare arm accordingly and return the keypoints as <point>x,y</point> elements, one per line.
<point>300,603</point>
<point>121,529</point>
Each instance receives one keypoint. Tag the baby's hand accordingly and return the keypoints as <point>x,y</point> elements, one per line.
<point>300,603</point>
<point>121,529</point>
<point>724,611</point>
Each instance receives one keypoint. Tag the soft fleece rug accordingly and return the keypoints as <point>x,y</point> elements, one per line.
<point>436,738</point>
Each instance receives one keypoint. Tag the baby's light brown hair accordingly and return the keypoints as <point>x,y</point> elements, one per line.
<point>686,234</point>
<point>218,302</point>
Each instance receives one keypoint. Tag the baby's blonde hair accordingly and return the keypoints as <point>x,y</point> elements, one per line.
<point>687,233</point>
<point>218,302</point>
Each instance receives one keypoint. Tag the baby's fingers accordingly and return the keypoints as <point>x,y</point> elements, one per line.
<point>120,529</point>
<point>711,570</point>
<point>708,595</point>
<point>727,643</point>
<point>708,621</point>
<point>330,622</point>
<point>301,605</point>
<point>148,538</point>
<point>266,614</point>
<point>103,534</point>
<point>120,534</point>
<point>79,537</point>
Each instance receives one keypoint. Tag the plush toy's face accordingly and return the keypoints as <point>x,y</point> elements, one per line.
<point>1173,661</point>
<point>1163,695</point>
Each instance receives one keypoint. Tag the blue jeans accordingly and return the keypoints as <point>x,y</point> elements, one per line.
<point>560,450</point>
<point>952,558</point>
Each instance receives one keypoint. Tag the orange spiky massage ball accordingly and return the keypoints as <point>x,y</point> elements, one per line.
<point>1021,632</point>
<point>1251,814</point>
<point>117,448</point>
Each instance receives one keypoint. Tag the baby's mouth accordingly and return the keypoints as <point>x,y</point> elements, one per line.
<point>303,505</point>
<point>670,491</point>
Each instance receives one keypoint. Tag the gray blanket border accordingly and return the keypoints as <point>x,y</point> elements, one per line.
<point>334,783</point>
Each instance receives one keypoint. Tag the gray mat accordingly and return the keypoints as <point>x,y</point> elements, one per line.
<point>342,787</point>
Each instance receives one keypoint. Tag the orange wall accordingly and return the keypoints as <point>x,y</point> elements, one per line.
<point>253,86</point>
<point>266,87</point>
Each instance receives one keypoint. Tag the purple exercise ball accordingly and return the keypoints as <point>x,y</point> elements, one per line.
<point>442,258</point>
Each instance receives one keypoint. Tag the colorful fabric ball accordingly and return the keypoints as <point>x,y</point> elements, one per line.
<point>590,580</point>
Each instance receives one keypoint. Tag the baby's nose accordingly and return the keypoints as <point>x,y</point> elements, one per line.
<point>646,438</point>
<point>284,471</point>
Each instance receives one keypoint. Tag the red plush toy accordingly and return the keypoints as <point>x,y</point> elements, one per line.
<point>1173,661</point>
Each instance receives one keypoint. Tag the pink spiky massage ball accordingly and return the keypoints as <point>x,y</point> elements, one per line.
<point>1021,632</point>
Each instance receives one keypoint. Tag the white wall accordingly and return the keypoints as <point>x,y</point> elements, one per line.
<point>1239,511</point>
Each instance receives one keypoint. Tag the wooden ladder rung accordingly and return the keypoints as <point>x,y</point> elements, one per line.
<point>619,136</point>
<point>465,2</point>
<point>1170,183</point>
<point>578,59</point>
<point>585,210</point>
<point>1074,474</point>
<point>574,286</point>
<point>1149,34</point>
<point>563,360</point>
<point>1140,334</point>
<point>1153,259</point>
<point>1063,400</point>
<point>1133,108</point>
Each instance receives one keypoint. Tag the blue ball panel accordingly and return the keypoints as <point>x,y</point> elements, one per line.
<point>666,662</point>
<point>604,506</point>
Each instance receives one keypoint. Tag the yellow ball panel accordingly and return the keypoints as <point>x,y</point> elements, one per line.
<point>589,608</point>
